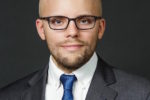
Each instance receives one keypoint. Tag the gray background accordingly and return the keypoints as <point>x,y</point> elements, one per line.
<point>125,43</point>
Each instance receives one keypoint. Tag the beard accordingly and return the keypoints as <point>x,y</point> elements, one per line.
<point>73,60</point>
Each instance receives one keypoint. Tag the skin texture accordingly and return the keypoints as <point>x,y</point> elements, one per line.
<point>70,48</point>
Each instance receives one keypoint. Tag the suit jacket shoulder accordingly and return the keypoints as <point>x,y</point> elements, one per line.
<point>18,89</point>
<point>131,86</point>
<point>110,83</point>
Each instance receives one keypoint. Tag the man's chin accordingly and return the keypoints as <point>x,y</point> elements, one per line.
<point>70,62</point>
<point>72,53</point>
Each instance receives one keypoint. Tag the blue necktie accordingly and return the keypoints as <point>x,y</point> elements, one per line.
<point>67,81</point>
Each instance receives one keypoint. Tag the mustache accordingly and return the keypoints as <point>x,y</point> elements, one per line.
<point>76,41</point>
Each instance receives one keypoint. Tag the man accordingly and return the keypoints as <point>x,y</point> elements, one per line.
<point>71,29</point>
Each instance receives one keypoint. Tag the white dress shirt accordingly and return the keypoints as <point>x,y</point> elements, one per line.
<point>54,88</point>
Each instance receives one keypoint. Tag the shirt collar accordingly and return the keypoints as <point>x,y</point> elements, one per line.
<point>84,74</point>
<point>54,74</point>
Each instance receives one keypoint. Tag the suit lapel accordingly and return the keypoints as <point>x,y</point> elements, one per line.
<point>36,86</point>
<point>102,79</point>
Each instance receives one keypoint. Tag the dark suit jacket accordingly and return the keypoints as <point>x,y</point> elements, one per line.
<point>108,83</point>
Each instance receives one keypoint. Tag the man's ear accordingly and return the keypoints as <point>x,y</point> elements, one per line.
<point>40,28</point>
<point>102,25</point>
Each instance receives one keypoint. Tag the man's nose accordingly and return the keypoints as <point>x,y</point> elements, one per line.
<point>72,30</point>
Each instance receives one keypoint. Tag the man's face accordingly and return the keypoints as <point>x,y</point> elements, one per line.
<point>70,48</point>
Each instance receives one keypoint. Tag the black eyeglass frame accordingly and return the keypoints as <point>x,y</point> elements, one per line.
<point>71,19</point>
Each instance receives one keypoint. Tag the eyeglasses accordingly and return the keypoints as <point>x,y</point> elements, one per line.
<point>61,22</point>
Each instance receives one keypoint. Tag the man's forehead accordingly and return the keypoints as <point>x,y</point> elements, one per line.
<point>54,5</point>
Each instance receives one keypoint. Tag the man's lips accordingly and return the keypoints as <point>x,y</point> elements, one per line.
<point>72,47</point>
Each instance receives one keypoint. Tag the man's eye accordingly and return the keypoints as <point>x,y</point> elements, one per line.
<point>85,21</point>
<point>56,22</point>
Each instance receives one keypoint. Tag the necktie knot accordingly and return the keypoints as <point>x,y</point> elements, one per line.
<point>67,81</point>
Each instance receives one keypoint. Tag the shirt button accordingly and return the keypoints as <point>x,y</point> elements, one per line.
<point>84,88</point>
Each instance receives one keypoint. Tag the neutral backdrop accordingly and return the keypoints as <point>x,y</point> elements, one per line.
<point>125,44</point>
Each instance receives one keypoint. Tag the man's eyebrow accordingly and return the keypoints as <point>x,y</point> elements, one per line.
<point>68,16</point>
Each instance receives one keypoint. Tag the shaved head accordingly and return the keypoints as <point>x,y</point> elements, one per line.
<point>43,4</point>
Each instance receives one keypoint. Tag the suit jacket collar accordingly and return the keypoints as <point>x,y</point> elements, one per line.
<point>98,90</point>
<point>36,85</point>
<point>39,74</point>
<point>102,79</point>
